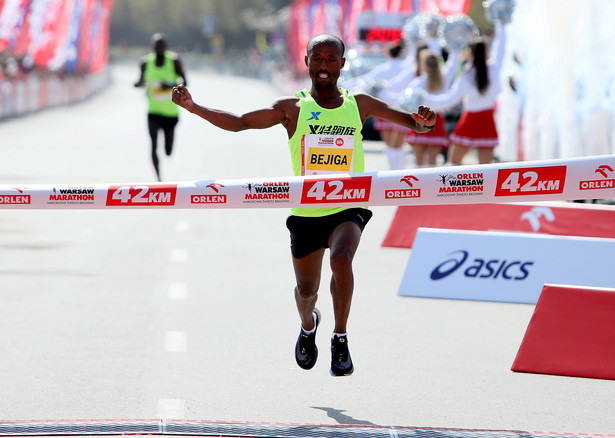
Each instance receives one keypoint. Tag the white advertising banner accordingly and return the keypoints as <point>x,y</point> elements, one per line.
<point>550,180</point>
<point>504,267</point>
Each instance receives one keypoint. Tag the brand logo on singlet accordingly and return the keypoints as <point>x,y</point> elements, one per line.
<point>332,130</point>
<point>314,115</point>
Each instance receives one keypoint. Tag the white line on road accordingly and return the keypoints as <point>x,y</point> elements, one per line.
<point>182,226</point>
<point>178,291</point>
<point>179,255</point>
<point>175,341</point>
<point>171,409</point>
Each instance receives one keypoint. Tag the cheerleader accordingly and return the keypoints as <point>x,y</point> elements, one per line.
<point>433,80</point>
<point>409,71</point>
<point>383,72</point>
<point>391,134</point>
<point>395,135</point>
<point>477,88</point>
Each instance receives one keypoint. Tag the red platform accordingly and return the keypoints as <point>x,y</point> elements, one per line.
<point>557,218</point>
<point>571,333</point>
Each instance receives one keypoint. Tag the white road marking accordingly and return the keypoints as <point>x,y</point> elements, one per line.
<point>182,226</point>
<point>179,255</point>
<point>175,341</point>
<point>171,409</point>
<point>178,291</point>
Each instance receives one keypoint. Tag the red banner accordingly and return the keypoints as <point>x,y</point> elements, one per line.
<point>57,34</point>
<point>85,52</point>
<point>48,27</point>
<point>22,35</point>
<point>565,219</point>
<point>339,17</point>
<point>12,16</point>
<point>101,38</point>
<point>446,7</point>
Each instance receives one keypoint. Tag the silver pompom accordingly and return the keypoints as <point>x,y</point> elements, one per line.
<point>499,10</point>
<point>458,31</point>
<point>422,26</point>
<point>431,25</point>
<point>411,31</point>
<point>412,98</point>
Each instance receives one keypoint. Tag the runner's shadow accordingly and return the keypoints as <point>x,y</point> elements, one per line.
<point>337,415</point>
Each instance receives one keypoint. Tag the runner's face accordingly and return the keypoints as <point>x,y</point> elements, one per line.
<point>160,46</point>
<point>325,63</point>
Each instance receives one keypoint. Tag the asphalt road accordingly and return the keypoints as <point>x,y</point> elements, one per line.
<point>190,314</point>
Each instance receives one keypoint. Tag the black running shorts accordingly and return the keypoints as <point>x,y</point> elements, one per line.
<point>163,122</point>
<point>309,234</point>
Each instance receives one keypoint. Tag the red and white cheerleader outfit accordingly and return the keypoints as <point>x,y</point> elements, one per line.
<point>435,137</point>
<point>476,127</point>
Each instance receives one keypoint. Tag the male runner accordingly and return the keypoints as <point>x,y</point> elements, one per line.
<point>324,110</point>
<point>160,72</point>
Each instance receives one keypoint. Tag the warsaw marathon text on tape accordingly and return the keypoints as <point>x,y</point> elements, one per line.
<point>579,178</point>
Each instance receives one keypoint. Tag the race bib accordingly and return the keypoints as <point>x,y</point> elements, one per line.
<point>323,154</point>
<point>159,93</point>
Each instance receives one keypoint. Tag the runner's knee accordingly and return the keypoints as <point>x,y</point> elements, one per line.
<point>307,290</point>
<point>341,260</point>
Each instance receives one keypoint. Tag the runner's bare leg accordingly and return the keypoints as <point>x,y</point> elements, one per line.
<point>343,242</point>
<point>307,274</point>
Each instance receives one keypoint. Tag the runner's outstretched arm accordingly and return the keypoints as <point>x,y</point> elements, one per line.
<point>259,119</point>
<point>423,120</point>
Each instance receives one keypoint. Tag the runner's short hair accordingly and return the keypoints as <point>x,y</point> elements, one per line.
<point>158,36</point>
<point>325,38</point>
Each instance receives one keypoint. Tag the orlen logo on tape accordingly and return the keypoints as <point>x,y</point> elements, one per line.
<point>211,198</point>
<point>608,183</point>
<point>333,190</point>
<point>531,181</point>
<point>142,195</point>
<point>16,199</point>
<point>408,192</point>
<point>481,268</point>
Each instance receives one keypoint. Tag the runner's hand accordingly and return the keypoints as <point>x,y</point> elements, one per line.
<point>424,116</point>
<point>182,97</point>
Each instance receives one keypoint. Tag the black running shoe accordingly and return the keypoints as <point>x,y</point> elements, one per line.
<point>341,363</point>
<point>306,351</point>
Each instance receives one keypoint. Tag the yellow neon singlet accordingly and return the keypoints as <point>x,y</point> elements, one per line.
<point>326,141</point>
<point>159,99</point>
